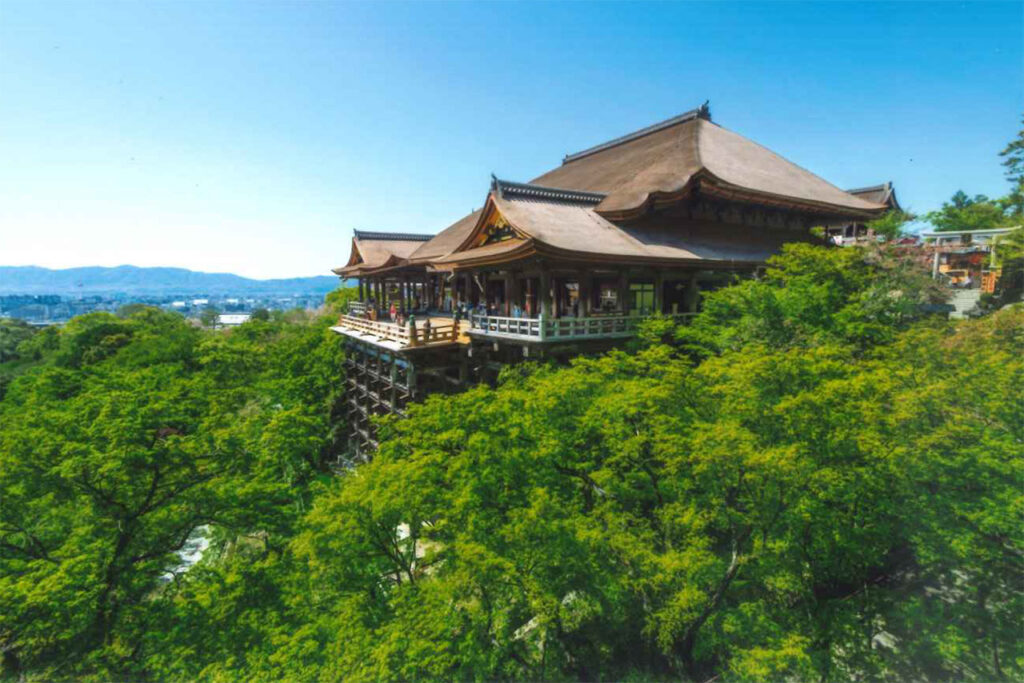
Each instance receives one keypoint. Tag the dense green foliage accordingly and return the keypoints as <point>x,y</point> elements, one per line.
<point>128,438</point>
<point>814,480</point>
<point>963,212</point>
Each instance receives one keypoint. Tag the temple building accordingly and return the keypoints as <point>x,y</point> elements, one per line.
<point>854,231</point>
<point>571,261</point>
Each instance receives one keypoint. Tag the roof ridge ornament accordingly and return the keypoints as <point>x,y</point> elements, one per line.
<point>701,112</point>
<point>508,189</point>
<point>391,236</point>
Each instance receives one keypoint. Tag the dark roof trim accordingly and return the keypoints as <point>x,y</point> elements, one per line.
<point>391,236</point>
<point>509,190</point>
<point>701,112</point>
<point>873,188</point>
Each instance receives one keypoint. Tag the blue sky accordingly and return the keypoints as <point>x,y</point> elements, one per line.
<point>252,137</point>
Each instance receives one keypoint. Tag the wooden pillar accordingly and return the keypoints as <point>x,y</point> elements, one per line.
<point>692,293</point>
<point>513,291</point>
<point>586,293</point>
<point>393,375</point>
<point>361,298</point>
<point>508,293</point>
<point>624,292</point>
<point>659,287</point>
<point>544,295</point>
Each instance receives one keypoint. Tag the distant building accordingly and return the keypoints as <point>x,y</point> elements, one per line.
<point>850,233</point>
<point>232,319</point>
<point>178,304</point>
<point>200,302</point>
<point>965,259</point>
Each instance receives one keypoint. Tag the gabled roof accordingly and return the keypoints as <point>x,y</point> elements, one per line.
<point>592,203</point>
<point>664,161</point>
<point>879,194</point>
<point>375,250</point>
<point>448,240</point>
<point>564,223</point>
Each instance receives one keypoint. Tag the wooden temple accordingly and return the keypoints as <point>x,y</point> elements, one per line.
<point>571,261</point>
<point>854,231</point>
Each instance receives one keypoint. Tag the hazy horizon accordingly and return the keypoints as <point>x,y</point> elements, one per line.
<point>251,138</point>
<point>169,267</point>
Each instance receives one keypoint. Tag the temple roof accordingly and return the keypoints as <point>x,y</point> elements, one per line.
<point>663,161</point>
<point>596,201</point>
<point>448,240</point>
<point>549,221</point>
<point>374,250</point>
<point>879,194</point>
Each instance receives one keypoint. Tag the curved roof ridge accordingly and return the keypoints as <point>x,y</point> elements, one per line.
<point>395,236</point>
<point>516,190</point>
<point>701,112</point>
<point>887,185</point>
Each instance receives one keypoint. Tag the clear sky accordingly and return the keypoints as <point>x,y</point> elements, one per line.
<point>252,137</point>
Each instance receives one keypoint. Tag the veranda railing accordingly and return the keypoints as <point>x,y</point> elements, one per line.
<point>561,329</point>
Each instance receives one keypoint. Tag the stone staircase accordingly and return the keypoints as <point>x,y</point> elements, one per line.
<point>964,300</point>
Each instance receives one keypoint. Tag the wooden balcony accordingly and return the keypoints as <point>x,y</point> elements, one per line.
<point>560,329</point>
<point>439,332</point>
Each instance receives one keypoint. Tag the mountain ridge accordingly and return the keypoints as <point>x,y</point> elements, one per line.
<point>129,279</point>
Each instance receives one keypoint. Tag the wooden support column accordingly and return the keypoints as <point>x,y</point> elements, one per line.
<point>361,298</point>
<point>411,380</point>
<point>586,293</point>
<point>659,291</point>
<point>624,292</point>
<point>393,394</point>
<point>544,295</point>
<point>692,293</point>
<point>508,293</point>
<point>513,293</point>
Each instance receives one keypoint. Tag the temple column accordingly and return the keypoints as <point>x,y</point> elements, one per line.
<point>692,293</point>
<point>624,292</point>
<point>586,292</point>
<point>513,291</point>
<point>508,293</point>
<point>659,291</point>
<point>544,295</point>
<point>361,290</point>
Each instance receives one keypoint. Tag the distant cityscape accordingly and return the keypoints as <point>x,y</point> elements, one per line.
<point>55,309</point>
<point>42,296</point>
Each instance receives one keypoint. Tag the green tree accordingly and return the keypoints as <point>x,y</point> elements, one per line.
<point>1013,158</point>
<point>337,301</point>
<point>134,436</point>
<point>963,213</point>
<point>766,514</point>
<point>892,225</point>
<point>208,316</point>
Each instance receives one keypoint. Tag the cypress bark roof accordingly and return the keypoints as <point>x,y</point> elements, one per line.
<point>634,170</point>
<point>879,194</point>
<point>581,205</point>
<point>375,250</point>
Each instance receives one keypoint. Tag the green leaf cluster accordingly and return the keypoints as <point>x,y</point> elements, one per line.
<point>131,440</point>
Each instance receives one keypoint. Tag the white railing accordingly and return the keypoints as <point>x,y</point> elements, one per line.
<point>419,334</point>
<point>562,329</point>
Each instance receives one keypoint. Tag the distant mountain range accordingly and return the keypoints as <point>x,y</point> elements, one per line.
<point>150,281</point>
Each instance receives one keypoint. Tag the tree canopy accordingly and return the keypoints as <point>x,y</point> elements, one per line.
<point>813,480</point>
